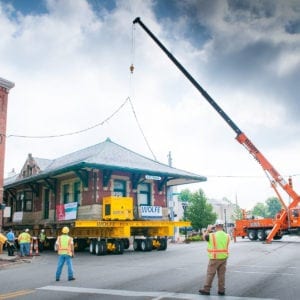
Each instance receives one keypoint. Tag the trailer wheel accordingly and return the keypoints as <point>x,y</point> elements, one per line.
<point>92,246</point>
<point>137,245</point>
<point>146,245</point>
<point>126,243</point>
<point>149,244</point>
<point>101,248</point>
<point>119,247</point>
<point>163,244</point>
<point>261,235</point>
<point>252,235</point>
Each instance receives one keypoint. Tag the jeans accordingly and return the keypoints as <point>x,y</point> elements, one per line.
<point>64,258</point>
<point>23,251</point>
<point>27,247</point>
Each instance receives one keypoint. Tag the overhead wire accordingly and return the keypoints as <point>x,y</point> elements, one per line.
<point>73,132</point>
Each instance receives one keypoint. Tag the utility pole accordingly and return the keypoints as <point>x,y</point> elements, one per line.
<point>170,197</point>
<point>5,86</point>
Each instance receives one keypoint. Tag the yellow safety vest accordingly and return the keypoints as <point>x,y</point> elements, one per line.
<point>42,237</point>
<point>64,243</point>
<point>24,237</point>
<point>217,246</point>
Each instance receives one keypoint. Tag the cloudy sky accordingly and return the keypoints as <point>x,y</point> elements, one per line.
<point>70,62</point>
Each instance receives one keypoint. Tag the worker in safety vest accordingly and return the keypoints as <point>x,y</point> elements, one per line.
<point>10,243</point>
<point>217,248</point>
<point>24,240</point>
<point>42,238</point>
<point>65,249</point>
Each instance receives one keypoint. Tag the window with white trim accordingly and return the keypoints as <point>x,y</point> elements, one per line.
<point>119,188</point>
<point>144,194</point>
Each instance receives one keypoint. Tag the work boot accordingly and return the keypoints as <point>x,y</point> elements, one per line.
<point>204,292</point>
<point>221,293</point>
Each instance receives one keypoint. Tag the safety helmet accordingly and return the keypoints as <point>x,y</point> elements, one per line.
<point>219,222</point>
<point>42,230</point>
<point>26,230</point>
<point>65,229</point>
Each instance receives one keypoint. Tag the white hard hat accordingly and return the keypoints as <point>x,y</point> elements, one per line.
<point>219,222</point>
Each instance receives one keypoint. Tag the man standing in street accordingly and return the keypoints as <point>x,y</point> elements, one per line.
<point>217,248</point>
<point>24,240</point>
<point>42,238</point>
<point>65,248</point>
<point>10,243</point>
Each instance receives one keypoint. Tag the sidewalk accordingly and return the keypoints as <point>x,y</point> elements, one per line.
<point>6,260</point>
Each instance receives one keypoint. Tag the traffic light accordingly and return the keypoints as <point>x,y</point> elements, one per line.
<point>2,206</point>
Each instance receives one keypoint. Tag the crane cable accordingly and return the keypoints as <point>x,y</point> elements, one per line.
<point>131,92</point>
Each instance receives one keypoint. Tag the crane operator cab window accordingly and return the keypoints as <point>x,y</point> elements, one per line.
<point>296,212</point>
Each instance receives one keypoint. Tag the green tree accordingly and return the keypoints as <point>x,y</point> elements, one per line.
<point>237,213</point>
<point>198,211</point>
<point>185,195</point>
<point>259,210</point>
<point>273,206</point>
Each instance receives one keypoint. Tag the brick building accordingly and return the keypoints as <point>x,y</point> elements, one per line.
<point>84,177</point>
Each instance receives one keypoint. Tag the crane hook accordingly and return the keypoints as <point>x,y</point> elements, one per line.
<point>131,68</point>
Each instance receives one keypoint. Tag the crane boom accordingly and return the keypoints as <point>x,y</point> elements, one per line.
<point>270,171</point>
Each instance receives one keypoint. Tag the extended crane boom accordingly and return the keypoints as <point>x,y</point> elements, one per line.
<point>270,171</point>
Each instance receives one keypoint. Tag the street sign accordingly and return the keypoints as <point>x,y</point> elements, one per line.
<point>152,177</point>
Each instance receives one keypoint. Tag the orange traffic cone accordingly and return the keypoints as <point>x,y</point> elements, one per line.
<point>36,247</point>
<point>31,246</point>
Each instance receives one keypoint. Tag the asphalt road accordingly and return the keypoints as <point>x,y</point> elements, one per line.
<point>255,271</point>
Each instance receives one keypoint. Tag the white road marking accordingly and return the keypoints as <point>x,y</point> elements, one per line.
<point>126,293</point>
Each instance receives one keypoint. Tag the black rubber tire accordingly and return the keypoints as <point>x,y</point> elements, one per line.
<point>261,235</point>
<point>163,244</point>
<point>137,245</point>
<point>126,243</point>
<point>252,235</point>
<point>92,246</point>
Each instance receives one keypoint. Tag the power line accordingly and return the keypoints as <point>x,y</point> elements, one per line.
<point>92,127</point>
<point>74,132</point>
<point>246,176</point>
<point>140,127</point>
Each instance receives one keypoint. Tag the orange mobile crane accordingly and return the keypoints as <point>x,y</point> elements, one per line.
<point>287,220</point>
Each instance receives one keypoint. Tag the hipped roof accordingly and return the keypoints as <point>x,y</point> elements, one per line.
<point>110,156</point>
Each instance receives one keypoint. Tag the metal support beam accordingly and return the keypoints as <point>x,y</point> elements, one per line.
<point>35,187</point>
<point>83,176</point>
<point>51,184</point>
<point>162,183</point>
<point>106,177</point>
<point>135,178</point>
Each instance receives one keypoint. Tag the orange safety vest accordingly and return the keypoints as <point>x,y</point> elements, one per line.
<point>64,243</point>
<point>217,246</point>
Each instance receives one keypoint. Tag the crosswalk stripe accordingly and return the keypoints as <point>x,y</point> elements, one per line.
<point>127,293</point>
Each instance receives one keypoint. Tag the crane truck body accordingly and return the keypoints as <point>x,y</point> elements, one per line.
<point>269,229</point>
